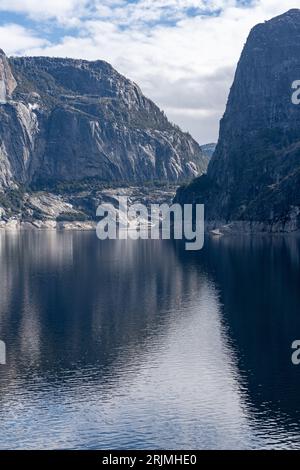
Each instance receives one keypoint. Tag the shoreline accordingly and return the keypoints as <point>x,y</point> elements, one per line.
<point>16,225</point>
<point>216,229</point>
<point>221,228</point>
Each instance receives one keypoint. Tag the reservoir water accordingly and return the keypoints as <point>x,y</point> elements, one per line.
<point>143,345</point>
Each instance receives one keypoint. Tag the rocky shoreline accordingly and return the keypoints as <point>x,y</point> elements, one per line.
<point>213,228</point>
<point>220,228</point>
<point>43,210</point>
<point>15,225</point>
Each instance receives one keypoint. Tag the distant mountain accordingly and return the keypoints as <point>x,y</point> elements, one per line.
<point>68,120</point>
<point>254,174</point>
<point>208,150</point>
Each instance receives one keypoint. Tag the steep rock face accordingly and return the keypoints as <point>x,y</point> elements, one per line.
<point>254,174</point>
<point>7,81</point>
<point>65,119</point>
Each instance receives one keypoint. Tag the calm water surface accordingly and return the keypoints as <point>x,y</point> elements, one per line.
<point>139,344</point>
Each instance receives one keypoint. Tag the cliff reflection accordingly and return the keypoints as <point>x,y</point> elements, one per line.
<point>258,279</point>
<point>114,344</point>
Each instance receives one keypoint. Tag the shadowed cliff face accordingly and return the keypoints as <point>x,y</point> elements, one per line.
<point>254,174</point>
<point>64,119</point>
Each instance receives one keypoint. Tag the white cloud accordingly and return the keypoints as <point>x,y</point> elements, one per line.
<point>14,39</point>
<point>63,11</point>
<point>186,68</point>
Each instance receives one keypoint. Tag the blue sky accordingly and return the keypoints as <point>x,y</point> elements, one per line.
<point>182,53</point>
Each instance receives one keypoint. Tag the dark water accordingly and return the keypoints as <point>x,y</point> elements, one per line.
<point>142,345</point>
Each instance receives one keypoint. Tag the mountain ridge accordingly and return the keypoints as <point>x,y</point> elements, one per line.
<point>69,119</point>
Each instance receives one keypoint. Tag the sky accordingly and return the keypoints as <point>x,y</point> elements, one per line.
<point>182,53</point>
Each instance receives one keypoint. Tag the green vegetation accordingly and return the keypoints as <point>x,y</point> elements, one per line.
<point>72,217</point>
<point>12,200</point>
<point>92,185</point>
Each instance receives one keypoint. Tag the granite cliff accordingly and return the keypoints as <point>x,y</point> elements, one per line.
<point>254,175</point>
<point>68,120</point>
